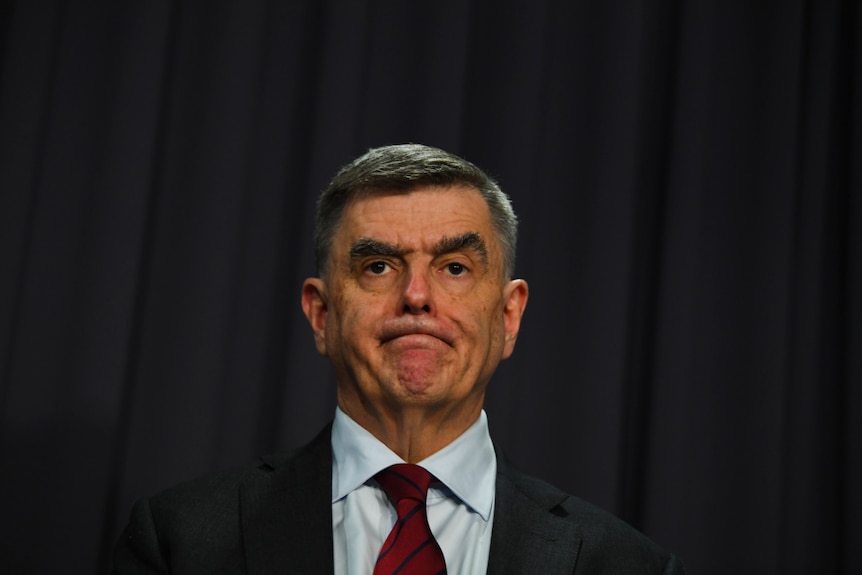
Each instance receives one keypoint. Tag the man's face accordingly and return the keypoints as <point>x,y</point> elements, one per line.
<point>414,310</point>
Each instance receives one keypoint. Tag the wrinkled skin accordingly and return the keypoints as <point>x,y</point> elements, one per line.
<point>415,314</point>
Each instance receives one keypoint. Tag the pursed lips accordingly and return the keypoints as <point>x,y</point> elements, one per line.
<point>394,330</point>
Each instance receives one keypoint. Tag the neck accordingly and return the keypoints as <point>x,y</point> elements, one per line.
<point>413,432</point>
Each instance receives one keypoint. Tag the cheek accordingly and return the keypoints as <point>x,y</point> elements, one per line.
<point>354,324</point>
<point>481,324</point>
<point>493,324</point>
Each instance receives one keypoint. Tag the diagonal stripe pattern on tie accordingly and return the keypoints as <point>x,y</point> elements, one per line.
<point>410,548</point>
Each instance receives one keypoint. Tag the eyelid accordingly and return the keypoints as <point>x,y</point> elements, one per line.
<point>462,258</point>
<point>471,257</point>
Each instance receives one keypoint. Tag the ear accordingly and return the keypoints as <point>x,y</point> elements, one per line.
<point>314,304</point>
<point>515,297</point>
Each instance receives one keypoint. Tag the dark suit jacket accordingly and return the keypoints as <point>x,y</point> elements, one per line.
<point>276,519</point>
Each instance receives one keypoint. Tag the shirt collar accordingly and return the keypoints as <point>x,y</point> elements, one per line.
<point>467,466</point>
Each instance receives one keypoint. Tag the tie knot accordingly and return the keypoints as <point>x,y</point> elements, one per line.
<point>404,481</point>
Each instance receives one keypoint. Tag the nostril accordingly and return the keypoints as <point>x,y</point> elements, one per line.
<point>417,309</point>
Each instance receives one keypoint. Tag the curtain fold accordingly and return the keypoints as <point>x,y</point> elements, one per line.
<point>688,181</point>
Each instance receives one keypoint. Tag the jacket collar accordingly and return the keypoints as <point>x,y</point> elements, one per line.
<point>281,512</point>
<point>530,533</point>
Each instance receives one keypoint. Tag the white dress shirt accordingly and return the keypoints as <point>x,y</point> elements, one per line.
<point>460,505</point>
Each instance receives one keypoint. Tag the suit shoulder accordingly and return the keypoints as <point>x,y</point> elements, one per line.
<point>210,492</point>
<point>198,526</point>
<point>608,543</point>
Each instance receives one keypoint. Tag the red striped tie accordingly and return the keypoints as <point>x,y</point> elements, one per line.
<point>410,548</point>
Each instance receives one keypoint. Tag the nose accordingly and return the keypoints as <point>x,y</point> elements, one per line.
<point>416,297</point>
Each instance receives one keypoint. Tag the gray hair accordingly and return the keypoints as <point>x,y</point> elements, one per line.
<point>403,168</point>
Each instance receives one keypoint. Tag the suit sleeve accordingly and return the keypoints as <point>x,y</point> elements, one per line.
<point>674,566</point>
<point>138,551</point>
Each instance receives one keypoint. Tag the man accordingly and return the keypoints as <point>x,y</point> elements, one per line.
<point>415,306</point>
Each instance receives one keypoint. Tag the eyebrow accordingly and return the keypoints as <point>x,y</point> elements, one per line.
<point>364,247</point>
<point>468,241</point>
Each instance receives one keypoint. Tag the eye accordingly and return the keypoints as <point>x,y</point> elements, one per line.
<point>378,268</point>
<point>456,269</point>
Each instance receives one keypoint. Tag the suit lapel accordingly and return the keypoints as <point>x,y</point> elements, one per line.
<point>286,517</point>
<point>287,513</point>
<point>527,537</point>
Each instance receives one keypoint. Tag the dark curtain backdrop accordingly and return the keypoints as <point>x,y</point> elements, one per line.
<point>689,181</point>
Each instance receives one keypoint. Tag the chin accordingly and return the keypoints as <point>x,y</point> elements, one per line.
<point>413,392</point>
<point>419,389</point>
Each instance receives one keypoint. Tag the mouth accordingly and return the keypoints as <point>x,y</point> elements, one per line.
<point>418,332</point>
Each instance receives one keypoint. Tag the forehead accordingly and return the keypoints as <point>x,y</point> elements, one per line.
<point>415,215</point>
